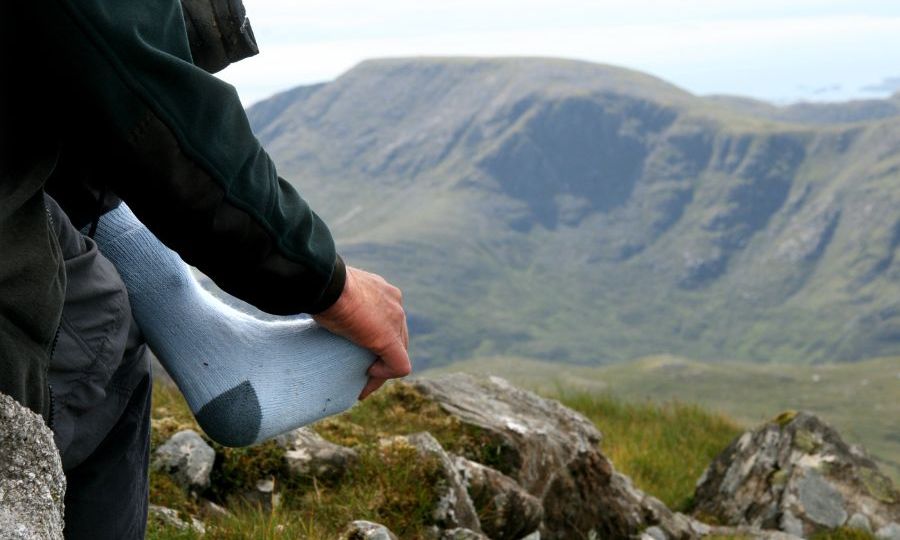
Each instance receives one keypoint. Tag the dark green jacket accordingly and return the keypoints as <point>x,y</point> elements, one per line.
<point>108,89</point>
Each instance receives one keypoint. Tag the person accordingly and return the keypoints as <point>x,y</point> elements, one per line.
<point>108,95</point>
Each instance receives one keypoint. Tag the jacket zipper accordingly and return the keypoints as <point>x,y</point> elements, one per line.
<point>52,413</point>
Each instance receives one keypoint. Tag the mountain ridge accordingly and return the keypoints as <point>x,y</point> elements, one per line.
<point>568,211</point>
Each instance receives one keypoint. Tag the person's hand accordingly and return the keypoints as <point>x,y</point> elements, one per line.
<point>370,313</point>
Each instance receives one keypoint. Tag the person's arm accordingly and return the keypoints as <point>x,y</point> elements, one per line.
<point>196,175</point>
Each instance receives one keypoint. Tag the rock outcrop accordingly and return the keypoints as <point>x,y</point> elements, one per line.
<point>553,453</point>
<point>795,474</point>
<point>187,458</point>
<point>307,453</point>
<point>32,485</point>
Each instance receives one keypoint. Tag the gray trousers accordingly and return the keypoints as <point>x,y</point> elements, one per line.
<point>100,384</point>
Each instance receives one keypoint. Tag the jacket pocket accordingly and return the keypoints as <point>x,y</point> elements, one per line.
<point>93,331</point>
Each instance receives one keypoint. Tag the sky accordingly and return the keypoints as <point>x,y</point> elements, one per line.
<point>781,51</point>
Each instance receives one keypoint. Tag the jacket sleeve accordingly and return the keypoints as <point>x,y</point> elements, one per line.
<point>178,148</point>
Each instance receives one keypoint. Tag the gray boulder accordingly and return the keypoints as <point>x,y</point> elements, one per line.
<point>309,454</point>
<point>367,530</point>
<point>454,508</point>
<point>187,458</point>
<point>797,475</point>
<point>32,484</point>
<point>505,510</point>
<point>553,453</point>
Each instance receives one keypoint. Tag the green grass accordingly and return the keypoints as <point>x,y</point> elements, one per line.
<point>663,448</point>
<point>844,533</point>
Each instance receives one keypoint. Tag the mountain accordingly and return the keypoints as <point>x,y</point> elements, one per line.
<point>575,212</point>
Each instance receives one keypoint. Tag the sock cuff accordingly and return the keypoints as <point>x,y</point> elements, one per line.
<point>115,223</point>
<point>136,252</point>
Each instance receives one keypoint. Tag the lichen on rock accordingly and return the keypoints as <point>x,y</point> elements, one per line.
<point>797,475</point>
<point>32,484</point>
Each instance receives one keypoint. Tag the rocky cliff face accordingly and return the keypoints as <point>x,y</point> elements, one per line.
<point>592,208</point>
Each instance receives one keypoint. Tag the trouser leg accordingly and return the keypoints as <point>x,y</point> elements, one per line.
<point>107,494</point>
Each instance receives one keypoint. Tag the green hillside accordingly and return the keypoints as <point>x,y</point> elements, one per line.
<point>862,400</point>
<point>583,213</point>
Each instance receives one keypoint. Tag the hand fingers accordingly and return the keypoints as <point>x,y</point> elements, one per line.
<point>392,362</point>
<point>371,386</point>
<point>391,368</point>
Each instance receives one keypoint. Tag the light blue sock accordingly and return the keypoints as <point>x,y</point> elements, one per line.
<point>246,380</point>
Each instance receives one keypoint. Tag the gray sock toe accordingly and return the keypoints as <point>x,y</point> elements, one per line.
<point>233,418</point>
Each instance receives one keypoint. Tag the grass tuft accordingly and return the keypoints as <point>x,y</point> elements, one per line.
<point>843,533</point>
<point>663,448</point>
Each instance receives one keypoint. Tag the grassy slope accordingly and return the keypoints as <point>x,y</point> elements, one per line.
<point>664,449</point>
<point>861,399</point>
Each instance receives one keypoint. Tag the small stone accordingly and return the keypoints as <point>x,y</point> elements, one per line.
<point>198,526</point>
<point>266,485</point>
<point>265,495</point>
<point>462,534</point>
<point>367,530</point>
<point>859,522</point>
<point>188,458</point>
<point>169,517</point>
<point>891,531</point>
<point>654,533</point>
<point>214,509</point>
<point>791,524</point>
